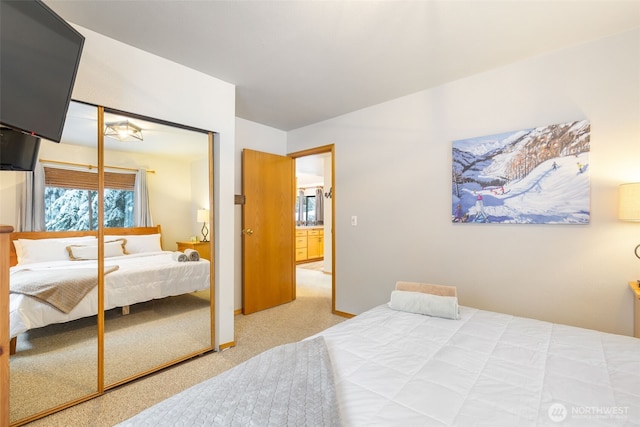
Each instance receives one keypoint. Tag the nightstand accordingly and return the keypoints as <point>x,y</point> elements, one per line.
<point>636,308</point>
<point>201,247</point>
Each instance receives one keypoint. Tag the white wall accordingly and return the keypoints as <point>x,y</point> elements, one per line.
<point>149,85</point>
<point>253,136</point>
<point>9,181</point>
<point>393,170</point>
<point>200,196</point>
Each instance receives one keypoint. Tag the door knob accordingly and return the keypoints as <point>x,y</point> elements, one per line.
<point>249,231</point>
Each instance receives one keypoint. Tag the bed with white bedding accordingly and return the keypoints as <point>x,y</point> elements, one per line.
<point>399,368</point>
<point>144,273</point>
<point>484,369</point>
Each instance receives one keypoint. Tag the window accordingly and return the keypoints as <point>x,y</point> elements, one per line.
<point>71,201</point>
<point>310,209</point>
<point>305,205</point>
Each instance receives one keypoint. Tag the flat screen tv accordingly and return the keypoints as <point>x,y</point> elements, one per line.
<point>18,151</point>
<point>39,58</point>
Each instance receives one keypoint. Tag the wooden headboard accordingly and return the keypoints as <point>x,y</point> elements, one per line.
<point>36,235</point>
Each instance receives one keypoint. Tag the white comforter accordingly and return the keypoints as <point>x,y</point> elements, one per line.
<point>140,277</point>
<point>395,368</point>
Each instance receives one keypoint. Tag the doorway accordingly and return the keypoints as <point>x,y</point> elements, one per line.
<point>263,260</point>
<point>313,218</point>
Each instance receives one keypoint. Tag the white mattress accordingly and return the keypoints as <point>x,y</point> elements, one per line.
<point>139,278</point>
<point>487,369</point>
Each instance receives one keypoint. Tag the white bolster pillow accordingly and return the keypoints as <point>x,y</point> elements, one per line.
<point>421,303</point>
<point>179,256</point>
<point>192,255</point>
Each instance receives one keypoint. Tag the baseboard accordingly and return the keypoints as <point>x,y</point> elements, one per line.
<point>238,311</point>
<point>343,314</point>
<point>227,345</point>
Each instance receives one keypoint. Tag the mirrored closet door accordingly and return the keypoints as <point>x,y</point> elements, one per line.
<point>172,318</point>
<point>56,354</point>
<point>133,189</point>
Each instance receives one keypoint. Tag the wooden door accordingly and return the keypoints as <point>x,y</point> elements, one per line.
<point>5,230</point>
<point>268,267</point>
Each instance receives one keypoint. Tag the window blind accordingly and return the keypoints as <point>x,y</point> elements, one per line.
<point>68,178</point>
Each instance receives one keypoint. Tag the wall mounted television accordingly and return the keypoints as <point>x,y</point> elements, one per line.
<point>39,58</point>
<point>18,151</point>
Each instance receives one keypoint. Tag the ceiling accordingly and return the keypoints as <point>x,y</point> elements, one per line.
<point>81,125</point>
<point>295,63</point>
<point>80,128</point>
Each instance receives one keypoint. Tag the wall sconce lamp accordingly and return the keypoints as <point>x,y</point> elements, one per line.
<point>629,204</point>
<point>123,131</point>
<point>203,217</point>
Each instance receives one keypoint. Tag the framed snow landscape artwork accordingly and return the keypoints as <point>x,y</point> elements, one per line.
<point>531,176</point>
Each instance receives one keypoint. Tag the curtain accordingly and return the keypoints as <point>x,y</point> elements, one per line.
<point>141,212</point>
<point>31,201</point>
<point>319,206</point>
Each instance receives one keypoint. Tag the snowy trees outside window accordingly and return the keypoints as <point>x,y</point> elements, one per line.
<point>71,199</point>
<point>77,209</point>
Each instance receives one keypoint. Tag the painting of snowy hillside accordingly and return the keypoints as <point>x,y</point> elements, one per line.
<point>531,176</point>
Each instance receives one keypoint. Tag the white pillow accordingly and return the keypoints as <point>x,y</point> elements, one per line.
<point>421,303</point>
<point>140,243</point>
<point>30,251</point>
<point>90,251</point>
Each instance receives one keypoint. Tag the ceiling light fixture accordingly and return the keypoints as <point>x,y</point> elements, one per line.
<point>123,131</point>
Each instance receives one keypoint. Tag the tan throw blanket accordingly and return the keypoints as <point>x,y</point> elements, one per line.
<point>61,289</point>
<point>427,288</point>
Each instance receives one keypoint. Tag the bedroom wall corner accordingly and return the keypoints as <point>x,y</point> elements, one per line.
<point>393,170</point>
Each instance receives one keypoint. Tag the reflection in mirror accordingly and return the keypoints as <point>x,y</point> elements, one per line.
<point>153,188</point>
<point>157,307</point>
<point>55,360</point>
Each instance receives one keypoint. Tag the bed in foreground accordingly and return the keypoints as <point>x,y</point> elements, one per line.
<point>392,367</point>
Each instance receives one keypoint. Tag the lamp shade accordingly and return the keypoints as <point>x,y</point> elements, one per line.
<point>203,215</point>
<point>629,202</point>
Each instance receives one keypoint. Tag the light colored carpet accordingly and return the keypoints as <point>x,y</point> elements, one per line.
<point>58,363</point>
<point>314,265</point>
<point>308,314</point>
